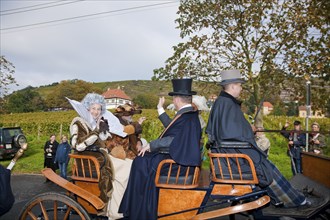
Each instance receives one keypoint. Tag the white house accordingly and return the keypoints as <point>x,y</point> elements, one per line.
<point>115,97</point>
<point>314,114</point>
<point>267,108</point>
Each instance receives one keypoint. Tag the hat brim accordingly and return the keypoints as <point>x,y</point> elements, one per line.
<point>182,93</point>
<point>128,113</point>
<point>229,81</point>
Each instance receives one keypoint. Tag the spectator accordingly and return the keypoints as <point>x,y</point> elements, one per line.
<point>317,140</point>
<point>227,123</point>
<point>50,148</point>
<point>180,138</point>
<point>297,141</point>
<point>62,156</point>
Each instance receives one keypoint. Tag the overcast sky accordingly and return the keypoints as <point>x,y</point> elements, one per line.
<point>125,41</point>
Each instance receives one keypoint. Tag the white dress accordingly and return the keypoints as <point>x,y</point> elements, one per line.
<point>122,170</point>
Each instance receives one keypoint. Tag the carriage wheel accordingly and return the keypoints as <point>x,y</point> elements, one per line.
<point>52,205</point>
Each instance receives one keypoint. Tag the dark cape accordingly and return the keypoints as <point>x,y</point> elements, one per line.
<point>227,123</point>
<point>140,200</point>
<point>7,198</point>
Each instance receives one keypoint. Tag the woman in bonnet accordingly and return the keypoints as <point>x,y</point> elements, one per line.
<point>90,130</point>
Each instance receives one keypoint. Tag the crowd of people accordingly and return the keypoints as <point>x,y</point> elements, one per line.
<point>127,179</point>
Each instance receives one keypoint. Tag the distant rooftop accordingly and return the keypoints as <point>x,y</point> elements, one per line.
<point>115,93</point>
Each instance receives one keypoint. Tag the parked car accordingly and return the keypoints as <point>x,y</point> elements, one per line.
<point>11,139</point>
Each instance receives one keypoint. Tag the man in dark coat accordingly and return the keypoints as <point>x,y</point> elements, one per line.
<point>297,141</point>
<point>7,198</point>
<point>180,138</point>
<point>50,149</point>
<point>227,123</point>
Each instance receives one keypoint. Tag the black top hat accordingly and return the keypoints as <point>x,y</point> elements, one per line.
<point>182,87</point>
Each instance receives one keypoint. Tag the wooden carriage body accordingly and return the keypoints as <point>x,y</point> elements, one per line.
<point>181,196</point>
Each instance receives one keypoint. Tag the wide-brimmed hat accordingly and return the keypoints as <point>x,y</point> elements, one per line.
<point>182,87</point>
<point>231,76</point>
<point>315,123</point>
<point>127,109</point>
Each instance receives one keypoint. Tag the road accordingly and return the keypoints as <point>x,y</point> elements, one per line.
<point>25,187</point>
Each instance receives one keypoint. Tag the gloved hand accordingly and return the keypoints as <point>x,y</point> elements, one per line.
<point>103,126</point>
<point>81,147</point>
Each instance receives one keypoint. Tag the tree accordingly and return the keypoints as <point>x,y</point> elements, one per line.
<point>277,44</point>
<point>7,71</point>
<point>147,101</point>
<point>73,89</point>
<point>25,100</point>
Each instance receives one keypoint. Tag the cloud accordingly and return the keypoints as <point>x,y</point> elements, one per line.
<point>125,45</point>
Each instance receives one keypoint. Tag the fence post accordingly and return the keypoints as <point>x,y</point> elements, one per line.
<point>38,138</point>
<point>61,127</point>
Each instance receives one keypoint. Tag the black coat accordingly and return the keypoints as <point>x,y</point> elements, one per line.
<point>182,136</point>
<point>7,198</point>
<point>227,123</point>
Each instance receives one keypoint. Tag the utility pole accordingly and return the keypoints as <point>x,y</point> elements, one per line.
<point>308,109</point>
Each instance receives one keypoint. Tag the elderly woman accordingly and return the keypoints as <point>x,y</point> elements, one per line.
<point>89,132</point>
<point>96,132</point>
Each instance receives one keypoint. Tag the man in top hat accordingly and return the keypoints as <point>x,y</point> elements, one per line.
<point>317,140</point>
<point>227,123</point>
<point>180,139</point>
<point>297,141</point>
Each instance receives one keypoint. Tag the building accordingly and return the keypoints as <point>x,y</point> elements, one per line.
<point>115,97</point>
<point>267,108</point>
<point>303,113</point>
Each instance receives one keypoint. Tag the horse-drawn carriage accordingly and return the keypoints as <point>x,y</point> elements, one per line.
<point>181,194</point>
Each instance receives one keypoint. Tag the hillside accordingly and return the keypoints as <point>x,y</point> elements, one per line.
<point>134,88</point>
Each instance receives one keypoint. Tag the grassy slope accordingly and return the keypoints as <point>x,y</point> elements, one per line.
<point>136,87</point>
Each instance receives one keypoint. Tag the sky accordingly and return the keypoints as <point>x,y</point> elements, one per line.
<point>95,40</point>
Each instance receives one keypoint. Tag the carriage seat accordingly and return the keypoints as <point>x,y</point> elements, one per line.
<point>175,176</point>
<point>232,144</point>
<point>228,178</point>
<point>85,168</point>
<point>230,166</point>
<point>227,168</point>
<point>174,180</point>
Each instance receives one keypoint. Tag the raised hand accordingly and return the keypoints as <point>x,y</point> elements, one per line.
<point>161,102</point>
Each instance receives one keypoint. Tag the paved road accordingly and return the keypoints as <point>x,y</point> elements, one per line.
<point>25,187</point>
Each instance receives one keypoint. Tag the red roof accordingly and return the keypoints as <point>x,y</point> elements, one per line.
<point>115,93</point>
<point>267,104</point>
